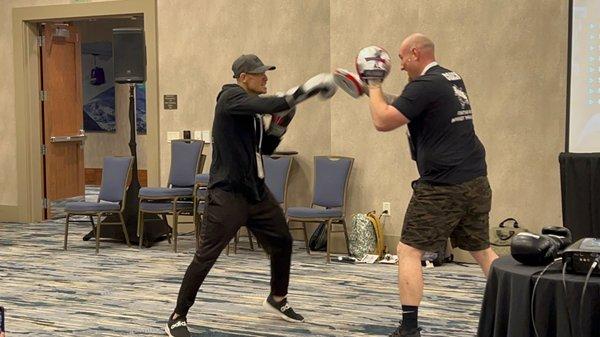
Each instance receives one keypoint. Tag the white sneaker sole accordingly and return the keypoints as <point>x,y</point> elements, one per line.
<point>272,310</point>
<point>167,330</point>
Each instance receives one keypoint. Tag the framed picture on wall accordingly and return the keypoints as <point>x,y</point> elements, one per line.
<point>140,108</point>
<point>98,87</point>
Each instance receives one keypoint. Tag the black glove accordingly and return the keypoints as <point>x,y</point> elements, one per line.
<point>534,250</point>
<point>558,231</point>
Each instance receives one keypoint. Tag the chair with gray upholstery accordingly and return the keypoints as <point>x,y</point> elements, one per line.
<point>331,177</point>
<point>178,197</point>
<point>277,170</point>
<point>116,172</point>
<point>277,173</point>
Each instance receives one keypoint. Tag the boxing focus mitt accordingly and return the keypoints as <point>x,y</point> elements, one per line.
<point>373,64</point>
<point>350,82</point>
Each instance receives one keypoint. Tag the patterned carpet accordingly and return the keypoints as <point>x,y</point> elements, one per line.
<point>58,206</point>
<point>127,292</point>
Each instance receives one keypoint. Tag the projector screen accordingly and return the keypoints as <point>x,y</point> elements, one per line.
<point>583,114</point>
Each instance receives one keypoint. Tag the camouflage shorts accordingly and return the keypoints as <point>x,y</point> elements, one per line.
<point>438,212</point>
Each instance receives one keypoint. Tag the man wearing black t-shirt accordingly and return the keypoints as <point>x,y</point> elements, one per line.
<point>452,197</point>
<point>237,193</point>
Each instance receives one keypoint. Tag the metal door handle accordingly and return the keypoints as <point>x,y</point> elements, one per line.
<point>63,139</point>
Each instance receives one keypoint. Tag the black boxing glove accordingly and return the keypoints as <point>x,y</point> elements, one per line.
<point>562,235</point>
<point>534,250</point>
<point>558,231</point>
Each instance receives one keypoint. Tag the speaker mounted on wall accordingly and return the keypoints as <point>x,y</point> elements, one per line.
<point>129,55</point>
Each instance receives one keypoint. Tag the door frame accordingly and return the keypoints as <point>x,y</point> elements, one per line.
<point>27,92</point>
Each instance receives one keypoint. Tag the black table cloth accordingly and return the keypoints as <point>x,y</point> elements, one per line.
<point>506,309</point>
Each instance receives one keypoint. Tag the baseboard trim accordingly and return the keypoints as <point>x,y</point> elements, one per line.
<point>9,213</point>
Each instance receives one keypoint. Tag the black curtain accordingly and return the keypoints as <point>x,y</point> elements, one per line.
<point>580,192</point>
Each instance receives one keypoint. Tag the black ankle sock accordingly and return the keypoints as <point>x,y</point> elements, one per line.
<point>410,315</point>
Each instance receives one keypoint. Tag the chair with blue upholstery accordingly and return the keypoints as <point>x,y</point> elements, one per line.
<point>277,171</point>
<point>116,172</point>
<point>178,197</point>
<point>277,174</point>
<point>331,177</point>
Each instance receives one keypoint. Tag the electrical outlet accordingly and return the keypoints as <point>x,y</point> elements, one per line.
<point>387,208</point>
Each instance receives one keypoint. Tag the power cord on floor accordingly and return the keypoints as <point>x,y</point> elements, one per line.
<point>532,305</point>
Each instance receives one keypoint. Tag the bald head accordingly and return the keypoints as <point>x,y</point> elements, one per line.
<point>416,52</point>
<point>421,42</point>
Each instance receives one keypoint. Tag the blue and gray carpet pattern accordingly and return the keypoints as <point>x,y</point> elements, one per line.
<point>58,206</point>
<point>129,292</point>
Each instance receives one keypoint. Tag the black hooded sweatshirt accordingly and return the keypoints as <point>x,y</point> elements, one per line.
<point>236,131</point>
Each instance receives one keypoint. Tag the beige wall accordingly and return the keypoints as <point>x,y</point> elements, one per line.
<point>101,144</point>
<point>513,60</point>
<point>8,145</point>
<point>195,62</point>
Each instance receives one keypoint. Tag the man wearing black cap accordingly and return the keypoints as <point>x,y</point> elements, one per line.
<point>237,194</point>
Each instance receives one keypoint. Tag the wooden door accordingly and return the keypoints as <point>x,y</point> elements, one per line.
<point>63,134</point>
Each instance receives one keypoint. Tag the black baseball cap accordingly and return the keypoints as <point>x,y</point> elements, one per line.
<point>249,64</point>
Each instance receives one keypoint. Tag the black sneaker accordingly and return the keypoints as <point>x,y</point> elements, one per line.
<point>282,309</point>
<point>177,327</point>
<point>404,332</point>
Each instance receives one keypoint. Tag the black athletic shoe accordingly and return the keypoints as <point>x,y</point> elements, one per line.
<point>404,332</point>
<point>177,327</point>
<point>282,309</point>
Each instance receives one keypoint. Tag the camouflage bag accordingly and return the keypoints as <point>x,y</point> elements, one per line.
<point>366,236</point>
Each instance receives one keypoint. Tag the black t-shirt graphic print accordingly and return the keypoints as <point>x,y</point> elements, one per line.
<point>446,147</point>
